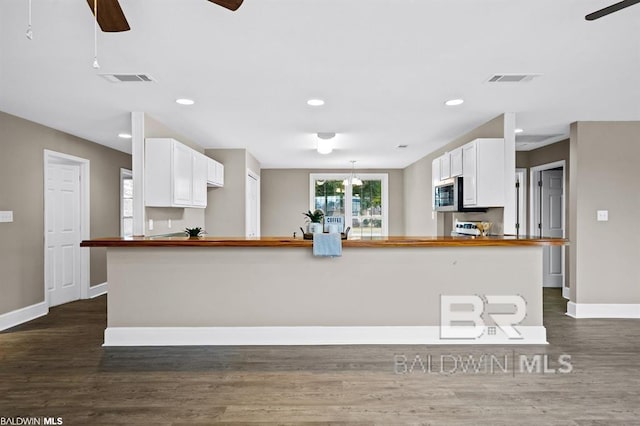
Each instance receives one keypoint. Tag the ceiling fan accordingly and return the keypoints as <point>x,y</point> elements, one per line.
<point>111,18</point>
<point>610,9</point>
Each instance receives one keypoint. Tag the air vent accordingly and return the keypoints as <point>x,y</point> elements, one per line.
<point>535,138</point>
<point>128,78</point>
<point>402,146</point>
<point>512,78</point>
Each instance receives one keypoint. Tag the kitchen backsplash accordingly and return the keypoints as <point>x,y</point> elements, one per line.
<point>493,215</point>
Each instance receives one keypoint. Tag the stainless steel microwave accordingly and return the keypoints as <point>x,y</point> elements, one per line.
<point>448,195</point>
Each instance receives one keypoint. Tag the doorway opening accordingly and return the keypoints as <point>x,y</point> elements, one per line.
<point>252,219</point>
<point>548,218</point>
<point>66,224</point>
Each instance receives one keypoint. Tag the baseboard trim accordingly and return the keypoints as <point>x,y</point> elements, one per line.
<point>566,293</point>
<point>98,290</point>
<point>241,336</point>
<point>603,310</point>
<point>22,315</point>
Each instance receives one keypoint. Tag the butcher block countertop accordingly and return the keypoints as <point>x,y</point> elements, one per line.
<point>373,242</point>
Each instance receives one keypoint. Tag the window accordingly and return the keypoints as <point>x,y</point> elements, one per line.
<point>363,207</point>
<point>126,203</point>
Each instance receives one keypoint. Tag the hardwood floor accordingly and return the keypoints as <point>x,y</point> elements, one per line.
<point>55,367</point>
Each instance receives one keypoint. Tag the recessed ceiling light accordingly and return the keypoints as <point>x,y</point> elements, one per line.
<point>184,101</point>
<point>518,130</point>
<point>315,102</point>
<point>454,102</point>
<point>124,135</point>
<point>325,145</point>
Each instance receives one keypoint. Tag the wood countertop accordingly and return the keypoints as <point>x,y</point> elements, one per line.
<point>374,242</point>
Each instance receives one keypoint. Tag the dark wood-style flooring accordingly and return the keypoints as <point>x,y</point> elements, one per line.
<point>55,367</point>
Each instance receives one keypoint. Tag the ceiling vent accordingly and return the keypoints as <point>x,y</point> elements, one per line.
<point>512,78</point>
<point>128,78</point>
<point>535,138</point>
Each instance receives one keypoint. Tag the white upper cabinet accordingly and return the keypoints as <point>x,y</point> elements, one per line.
<point>175,175</point>
<point>215,173</point>
<point>445,167</point>
<point>455,160</point>
<point>483,173</point>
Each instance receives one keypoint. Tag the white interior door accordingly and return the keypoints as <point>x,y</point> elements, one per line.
<point>551,224</point>
<point>62,236</point>
<point>252,206</point>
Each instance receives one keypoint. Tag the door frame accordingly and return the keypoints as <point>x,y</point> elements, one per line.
<point>534,203</point>
<point>124,173</point>
<point>251,175</point>
<point>524,187</point>
<point>53,157</point>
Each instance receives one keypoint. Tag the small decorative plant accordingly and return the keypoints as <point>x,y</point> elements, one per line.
<point>315,216</point>
<point>194,232</point>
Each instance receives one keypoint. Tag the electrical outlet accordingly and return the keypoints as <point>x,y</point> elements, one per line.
<point>169,223</point>
<point>150,224</point>
<point>602,215</point>
<point>6,216</point>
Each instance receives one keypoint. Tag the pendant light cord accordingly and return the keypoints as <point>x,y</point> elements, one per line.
<point>29,30</point>
<point>96,65</point>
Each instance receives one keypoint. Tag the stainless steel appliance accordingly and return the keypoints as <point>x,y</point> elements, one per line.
<point>448,197</point>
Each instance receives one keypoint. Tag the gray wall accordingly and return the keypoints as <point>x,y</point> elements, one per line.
<point>605,176</point>
<point>22,144</point>
<point>226,212</point>
<point>418,218</point>
<point>285,195</point>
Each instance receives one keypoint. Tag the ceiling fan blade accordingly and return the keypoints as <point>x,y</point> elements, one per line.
<point>232,4</point>
<point>610,9</point>
<point>110,16</point>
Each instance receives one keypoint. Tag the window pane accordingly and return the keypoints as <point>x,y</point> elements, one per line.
<point>330,197</point>
<point>127,207</point>
<point>127,188</point>
<point>127,225</point>
<point>367,209</point>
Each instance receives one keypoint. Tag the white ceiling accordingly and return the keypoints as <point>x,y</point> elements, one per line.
<point>384,68</point>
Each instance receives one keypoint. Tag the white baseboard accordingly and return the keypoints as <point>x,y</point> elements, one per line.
<point>240,336</point>
<point>98,290</point>
<point>22,315</point>
<point>566,293</point>
<point>603,310</point>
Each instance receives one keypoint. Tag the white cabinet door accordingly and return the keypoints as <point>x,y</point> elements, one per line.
<point>445,167</point>
<point>455,159</point>
<point>215,173</point>
<point>469,174</point>
<point>182,175</point>
<point>199,180</point>
<point>220,174</point>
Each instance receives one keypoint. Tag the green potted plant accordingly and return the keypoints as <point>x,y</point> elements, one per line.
<point>314,220</point>
<point>194,232</point>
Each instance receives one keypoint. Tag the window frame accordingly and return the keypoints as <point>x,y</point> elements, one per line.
<point>383,177</point>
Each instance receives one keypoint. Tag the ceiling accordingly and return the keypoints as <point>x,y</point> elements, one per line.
<point>384,68</point>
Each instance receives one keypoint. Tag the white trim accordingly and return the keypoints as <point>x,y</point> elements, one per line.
<point>524,188</point>
<point>85,216</point>
<point>256,176</point>
<point>566,293</point>
<point>98,290</point>
<point>383,177</point>
<point>379,335</point>
<point>137,168</point>
<point>509,127</point>
<point>124,173</point>
<point>603,310</point>
<point>22,315</point>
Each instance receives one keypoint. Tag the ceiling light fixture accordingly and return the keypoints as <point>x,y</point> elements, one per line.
<point>124,135</point>
<point>29,33</point>
<point>184,101</point>
<point>315,102</point>
<point>518,130</point>
<point>454,102</point>
<point>96,65</point>
<point>353,179</point>
<point>325,146</point>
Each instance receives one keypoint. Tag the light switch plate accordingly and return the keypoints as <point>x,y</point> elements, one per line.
<point>169,223</point>
<point>602,215</point>
<point>6,216</point>
<point>150,224</point>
